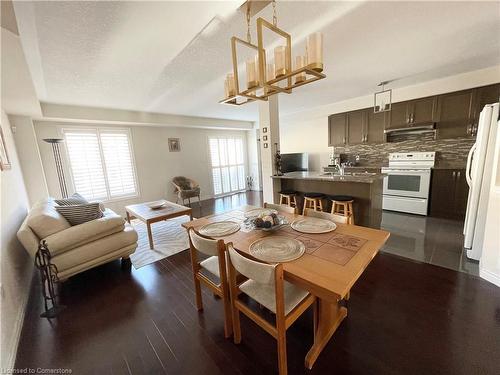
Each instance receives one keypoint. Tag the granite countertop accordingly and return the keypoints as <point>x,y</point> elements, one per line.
<point>318,176</point>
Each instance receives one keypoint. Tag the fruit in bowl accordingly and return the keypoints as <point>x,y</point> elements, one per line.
<point>269,222</point>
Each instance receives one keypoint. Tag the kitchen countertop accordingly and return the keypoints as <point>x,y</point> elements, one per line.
<point>318,176</point>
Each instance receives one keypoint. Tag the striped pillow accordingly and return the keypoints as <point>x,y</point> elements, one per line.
<point>80,213</point>
<point>74,199</point>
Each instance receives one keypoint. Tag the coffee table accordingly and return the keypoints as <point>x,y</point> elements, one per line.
<point>149,216</point>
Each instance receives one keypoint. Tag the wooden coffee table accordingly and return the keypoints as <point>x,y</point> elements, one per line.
<point>149,216</point>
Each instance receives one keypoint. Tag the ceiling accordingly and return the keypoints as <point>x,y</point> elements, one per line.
<point>172,57</point>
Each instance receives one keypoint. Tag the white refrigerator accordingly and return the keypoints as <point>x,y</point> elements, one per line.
<point>478,175</point>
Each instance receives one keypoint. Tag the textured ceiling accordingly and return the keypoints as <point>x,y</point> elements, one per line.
<point>171,57</point>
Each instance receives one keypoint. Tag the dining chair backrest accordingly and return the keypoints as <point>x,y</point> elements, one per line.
<point>280,208</point>
<point>326,215</point>
<point>205,245</point>
<point>260,272</point>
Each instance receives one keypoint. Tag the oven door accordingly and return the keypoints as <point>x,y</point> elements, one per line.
<point>407,183</point>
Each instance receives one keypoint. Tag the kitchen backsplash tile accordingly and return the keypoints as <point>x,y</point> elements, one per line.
<point>448,151</point>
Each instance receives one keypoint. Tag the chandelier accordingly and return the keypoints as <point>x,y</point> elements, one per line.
<point>264,78</point>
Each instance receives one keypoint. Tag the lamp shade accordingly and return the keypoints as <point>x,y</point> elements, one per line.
<point>314,51</point>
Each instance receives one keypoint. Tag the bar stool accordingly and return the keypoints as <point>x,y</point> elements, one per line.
<point>288,197</point>
<point>314,201</point>
<point>342,205</point>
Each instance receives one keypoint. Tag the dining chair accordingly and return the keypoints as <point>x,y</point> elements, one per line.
<point>280,208</point>
<point>340,219</point>
<point>266,286</point>
<point>215,264</point>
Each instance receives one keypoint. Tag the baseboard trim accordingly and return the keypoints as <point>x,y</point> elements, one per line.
<point>18,329</point>
<point>490,276</point>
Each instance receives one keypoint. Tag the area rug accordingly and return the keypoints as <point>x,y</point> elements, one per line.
<point>169,238</point>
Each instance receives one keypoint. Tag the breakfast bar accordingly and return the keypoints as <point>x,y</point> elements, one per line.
<point>365,188</point>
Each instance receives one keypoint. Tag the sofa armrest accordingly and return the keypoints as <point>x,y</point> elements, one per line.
<point>81,234</point>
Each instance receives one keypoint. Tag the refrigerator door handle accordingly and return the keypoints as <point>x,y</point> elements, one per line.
<point>468,176</point>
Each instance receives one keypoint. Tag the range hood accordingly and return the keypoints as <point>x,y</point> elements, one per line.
<point>426,127</point>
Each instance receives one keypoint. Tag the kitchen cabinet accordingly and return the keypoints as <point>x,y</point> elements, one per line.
<point>449,193</point>
<point>356,121</point>
<point>412,112</point>
<point>337,125</point>
<point>375,125</point>
<point>455,115</point>
<point>484,95</point>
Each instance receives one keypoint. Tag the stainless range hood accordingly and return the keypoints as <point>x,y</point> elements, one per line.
<point>426,127</point>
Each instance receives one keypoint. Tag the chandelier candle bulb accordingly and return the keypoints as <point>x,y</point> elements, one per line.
<point>271,72</point>
<point>230,84</point>
<point>314,51</point>
<point>300,62</point>
<point>280,60</point>
<point>252,65</point>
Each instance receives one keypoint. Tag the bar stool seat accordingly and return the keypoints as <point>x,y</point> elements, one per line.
<point>314,201</point>
<point>287,197</point>
<point>342,205</point>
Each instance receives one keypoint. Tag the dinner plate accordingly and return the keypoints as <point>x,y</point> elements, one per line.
<point>219,229</point>
<point>277,249</point>
<point>313,225</point>
<point>252,214</point>
<point>157,204</point>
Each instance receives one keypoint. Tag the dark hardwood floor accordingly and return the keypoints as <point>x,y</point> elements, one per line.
<point>404,317</point>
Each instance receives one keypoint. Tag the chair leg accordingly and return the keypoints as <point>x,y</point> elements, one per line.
<point>320,205</point>
<point>228,321</point>
<point>236,325</point>
<point>197,288</point>
<point>304,207</point>
<point>281,341</point>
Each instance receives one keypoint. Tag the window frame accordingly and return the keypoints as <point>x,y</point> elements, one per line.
<point>98,130</point>
<point>245,164</point>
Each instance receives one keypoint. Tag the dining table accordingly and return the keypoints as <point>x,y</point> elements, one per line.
<point>328,269</point>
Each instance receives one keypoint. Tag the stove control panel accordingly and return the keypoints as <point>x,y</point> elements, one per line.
<point>413,156</point>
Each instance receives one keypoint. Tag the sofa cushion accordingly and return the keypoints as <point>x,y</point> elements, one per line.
<point>74,199</point>
<point>95,250</point>
<point>80,213</point>
<point>82,234</point>
<point>44,220</point>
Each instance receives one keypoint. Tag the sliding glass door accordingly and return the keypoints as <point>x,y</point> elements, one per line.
<point>228,166</point>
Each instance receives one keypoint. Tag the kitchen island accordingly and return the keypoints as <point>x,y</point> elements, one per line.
<point>365,188</point>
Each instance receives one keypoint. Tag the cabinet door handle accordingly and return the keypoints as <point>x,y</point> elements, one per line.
<point>454,174</point>
<point>343,140</point>
<point>458,174</point>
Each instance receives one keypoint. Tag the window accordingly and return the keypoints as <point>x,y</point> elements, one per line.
<point>228,167</point>
<point>101,163</point>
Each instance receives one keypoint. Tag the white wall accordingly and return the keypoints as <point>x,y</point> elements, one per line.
<point>16,267</point>
<point>254,158</point>
<point>31,162</point>
<point>307,131</point>
<point>155,165</point>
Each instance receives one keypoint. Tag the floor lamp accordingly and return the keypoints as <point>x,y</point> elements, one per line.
<point>59,167</point>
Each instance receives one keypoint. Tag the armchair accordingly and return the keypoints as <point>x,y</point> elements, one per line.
<point>185,188</point>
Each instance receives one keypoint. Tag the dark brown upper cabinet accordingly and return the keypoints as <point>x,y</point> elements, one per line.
<point>412,112</point>
<point>455,115</point>
<point>337,125</point>
<point>398,116</point>
<point>422,110</point>
<point>356,121</point>
<point>484,95</point>
<point>375,125</point>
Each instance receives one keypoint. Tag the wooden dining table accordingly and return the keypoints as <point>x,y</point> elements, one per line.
<point>328,269</point>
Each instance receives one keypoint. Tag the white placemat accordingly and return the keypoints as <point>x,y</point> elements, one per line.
<point>252,214</point>
<point>219,229</point>
<point>277,249</point>
<point>313,225</point>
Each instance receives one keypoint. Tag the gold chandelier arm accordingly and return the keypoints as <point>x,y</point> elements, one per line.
<point>275,18</point>
<point>249,36</point>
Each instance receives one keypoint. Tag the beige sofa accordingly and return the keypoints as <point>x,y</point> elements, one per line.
<point>76,248</point>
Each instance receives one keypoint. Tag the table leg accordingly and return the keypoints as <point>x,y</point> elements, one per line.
<point>150,236</point>
<point>128,217</point>
<point>328,318</point>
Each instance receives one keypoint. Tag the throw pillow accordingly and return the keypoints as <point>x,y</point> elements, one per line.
<point>80,213</point>
<point>74,199</point>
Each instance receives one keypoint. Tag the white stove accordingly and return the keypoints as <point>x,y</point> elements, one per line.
<point>407,184</point>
